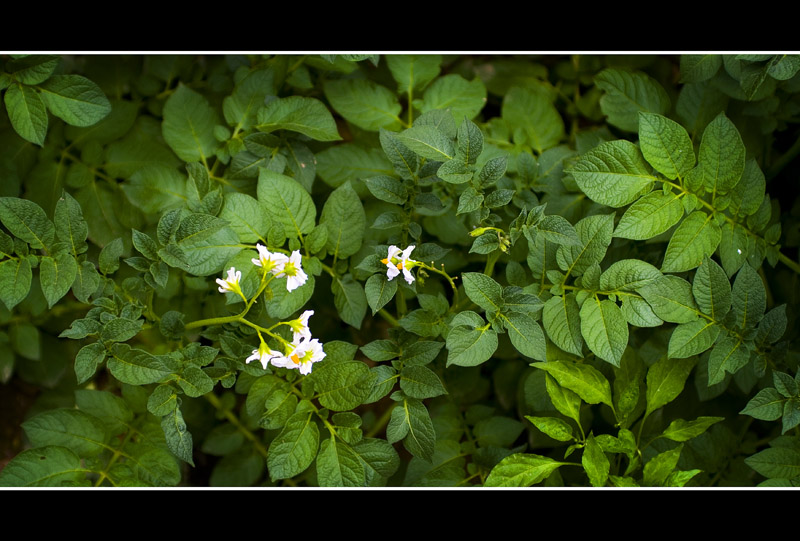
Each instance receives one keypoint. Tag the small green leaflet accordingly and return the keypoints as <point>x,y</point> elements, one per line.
<point>613,173</point>
<point>604,328</point>
<point>651,215</point>
<point>665,145</point>
<point>188,126</point>
<point>522,470</point>
<point>301,114</point>
<point>696,238</point>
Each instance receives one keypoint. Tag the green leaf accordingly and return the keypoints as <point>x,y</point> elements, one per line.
<point>421,352</point>
<point>470,347</point>
<point>680,430</point>
<point>413,71</point>
<point>75,99</point>
<point>565,401</point>
<point>695,239</point>
<point>287,203</point>
<point>343,215</point>
<point>452,92</point>
<point>27,113</point>
<point>27,221</point>
<point>696,68</point>
<point>80,432</point>
<point>301,114</point>
<point>665,381</point>
<point>671,299</point>
<point>32,69</point>
<point>412,423</point>
<point>86,281</point>
<point>379,290</point>
<point>665,145</point>
<point>387,189</point>
<point>404,162</point>
<point>595,234</point>
<point>179,439</point>
<point>154,188</point>
<point>526,335</point>
<point>613,173</point>
<point>87,360</point>
<point>188,126</point>
<point>50,466</point>
<point>69,224</point>
<point>557,229</point>
<point>120,329</point>
<point>242,106</point>
<point>483,290</point>
<point>728,355</point>
<point>532,118</point>
<point>522,470</point>
<point>583,379</point>
<point>628,275</point>
<point>344,385</point>
<point>338,465</point>
<point>692,338</point>
<point>379,458</point>
<point>57,275</point>
<point>364,103</point>
<point>556,428</point>
<point>420,382</point>
<point>773,325</point>
<point>561,320</point>
<point>195,382</point>
<point>627,93</point>
<point>748,298</point>
<point>604,328</point>
<point>136,366</point>
<point>428,142</point>
<point>776,463</point>
<point>349,299</point>
<point>721,157</point>
<point>246,216</point>
<point>163,400</point>
<point>470,142</point>
<point>660,466</point>
<point>595,463</point>
<point>712,290</point>
<point>651,215</point>
<point>15,281</point>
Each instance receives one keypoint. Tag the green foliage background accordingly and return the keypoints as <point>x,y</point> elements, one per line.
<point>606,292</point>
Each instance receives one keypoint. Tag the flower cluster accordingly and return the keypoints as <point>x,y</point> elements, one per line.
<point>300,353</point>
<point>398,260</point>
<point>281,265</point>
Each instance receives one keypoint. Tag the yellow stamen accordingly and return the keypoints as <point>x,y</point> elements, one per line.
<point>385,260</point>
<point>400,266</point>
<point>295,358</point>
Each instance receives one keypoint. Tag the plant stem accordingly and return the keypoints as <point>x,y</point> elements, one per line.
<point>234,420</point>
<point>382,421</point>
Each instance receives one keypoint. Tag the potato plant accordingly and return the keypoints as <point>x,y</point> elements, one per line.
<point>361,270</point>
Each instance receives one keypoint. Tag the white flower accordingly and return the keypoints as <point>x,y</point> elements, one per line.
<point>269,260</point>
<point>231,283</point>
<point>305,353</point>
<point>398,260</point>
<point>293,270</point>
<point>300,326</point>
<point>263,354</point>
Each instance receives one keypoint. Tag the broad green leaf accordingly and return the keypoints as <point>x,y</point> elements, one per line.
<point>188,126</point>
<point>27,221</point>
<point>364,103</point>
<point>379,458</point>
<point>33,69</point>
<point>80,432</point>
<point>195,382</point>
<point>287,203</point>
<point>428,142</point>
<point>734,246</point>
<point>301,114</point>
<point>695,239</point>
<point>155,188</point>
<point>179,439</point>
<point>583,379</point>
<point>749,192</point>
<point>50,466</point>
<point>639,313</point>
<point>532,118</point>
<point>776,463</point>
<point>692,338</point>
<point>338,465</point>
<point>721,157</point>
<point>712,290</point>
<point>470,347</point>
<point>136,366</point>
<point>613,173</point>
<point>772,326</point>
<point>412,423</point>
<point>561,320</point>
<point>349,299</point>
<point>87,360</point>
<point>628,275</point>
<point>595,463</point>
<point>522,470</point>
<point>247,216</point>
<point>651,215</point>
<point>343,215</point>
<point>75,99</point>
<point>452,92</point>
<point>729,355</point>
<point>470,142</point>
<point>70,225</point>
<point>555,228</point>
<point>671,299</point>
<point>340,163</point>
<point>783,67</point>
<point>660,466</point>
<point>556,428</point>
<point>413,71</point>
<point>665,145</point>
<point>285,303</point>
<point>241,107</point>
<point>696,68</point>
<point>295,448</point>
<point>565,401</point>
<point>344,385</point>
<point>15,281</point>
<point>604,328</point>
<point>404,162</point>
<point>748,298</point>
<point>421,352</point>
<point>379,290</point>
<point>387,189</point>
<point>120,329</point>
<point>595,234</point>
<point>665,381</point>
<point>483,290</point>
<point>163,400</point>
<point>27,113</point>
<point>626,94</point>
<point>526,335</point>
<point>680,430</point>
<point>57,275</point>
<point>420,382</point>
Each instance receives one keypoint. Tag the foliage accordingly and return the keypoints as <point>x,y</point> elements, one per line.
<point>401,270</point>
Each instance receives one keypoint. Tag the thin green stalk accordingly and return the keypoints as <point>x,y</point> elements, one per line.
<point>212,398</point>
<point>382,421</point>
